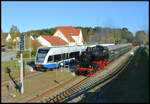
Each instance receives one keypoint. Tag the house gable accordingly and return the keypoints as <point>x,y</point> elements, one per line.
<point>61,35</point>
<point>68,32</point>
<point>43,41</point>
<point>8,38</point>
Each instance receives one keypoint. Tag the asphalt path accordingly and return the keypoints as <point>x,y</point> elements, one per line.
<point>7,56</point>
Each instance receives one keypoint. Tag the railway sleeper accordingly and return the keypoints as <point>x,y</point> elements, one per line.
<point>46,100</point>
<point>58,97</point>
<point>78,89</point>
<point>50,98</point>
<point>55,99</point>
<point>74,89</point>
<point>68,92</point>
<point>51,101</point>
<point>64,94</point>
<point>61,95</point>
<point>71,89</point>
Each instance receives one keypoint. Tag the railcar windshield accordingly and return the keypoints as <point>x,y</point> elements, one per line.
<point>41,55</point>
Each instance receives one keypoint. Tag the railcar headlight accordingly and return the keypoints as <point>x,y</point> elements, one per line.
<point>132,53</point>
<point>61,64</point>
<point>90,66</point>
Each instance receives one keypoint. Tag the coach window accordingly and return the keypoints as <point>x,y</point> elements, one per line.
<point>71,54</point>
<point>63,56</point>
<point>50,58</point>
<point>74,54</point>
<point>57,58</point>
<point>67,55</point>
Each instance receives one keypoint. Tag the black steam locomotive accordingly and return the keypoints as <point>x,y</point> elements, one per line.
<point>96,57</point>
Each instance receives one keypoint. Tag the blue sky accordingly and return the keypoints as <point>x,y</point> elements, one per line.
<point>41,15</point>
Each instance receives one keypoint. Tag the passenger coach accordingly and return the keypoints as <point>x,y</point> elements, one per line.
<point>53,57</point>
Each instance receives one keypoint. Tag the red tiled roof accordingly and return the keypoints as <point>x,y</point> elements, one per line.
<point>2,43</point>
<point>54,40</point>
<point>68,32</point>
<point>18,35</point>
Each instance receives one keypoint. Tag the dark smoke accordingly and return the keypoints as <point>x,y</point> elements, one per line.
<point>100,35</point>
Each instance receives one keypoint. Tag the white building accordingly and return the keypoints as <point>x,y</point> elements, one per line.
<point>70,35</point>
<point>8,38</point>
<point>31,37</point>
<point>17,38</point>
<point>66,35</point>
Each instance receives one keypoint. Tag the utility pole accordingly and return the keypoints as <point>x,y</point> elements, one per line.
<point>22,43</point>
<point>68,58</point>
<point>21,75</point>
<point>30,47</point>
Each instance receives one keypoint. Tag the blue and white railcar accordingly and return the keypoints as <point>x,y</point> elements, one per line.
<point>53,57</point>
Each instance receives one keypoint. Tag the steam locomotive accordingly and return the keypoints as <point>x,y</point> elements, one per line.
<point>97,57</point>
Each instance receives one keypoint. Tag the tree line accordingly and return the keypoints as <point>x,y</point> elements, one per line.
<point>104,35</point>
<point>97,34</point>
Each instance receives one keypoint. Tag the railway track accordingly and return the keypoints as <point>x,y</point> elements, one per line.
<point>61,86</point>
<point>84,86</point>
<point>74,89</point>
<point>53,90</point>
<point>30,75</point>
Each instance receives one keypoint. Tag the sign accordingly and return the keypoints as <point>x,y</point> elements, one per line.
<point>22,42</point>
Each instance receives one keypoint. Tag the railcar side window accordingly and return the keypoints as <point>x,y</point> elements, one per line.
<point>63,56</point>
<point>76,54</point>
<point>50,58</point>
<point>66,55</point>
<point>57,58</point>
<point>71,55</point>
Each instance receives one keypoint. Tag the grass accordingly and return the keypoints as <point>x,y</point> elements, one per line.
<point>14,65</point>
<point>10,64</point>
<point>147,51</point>
<point>40,83</point>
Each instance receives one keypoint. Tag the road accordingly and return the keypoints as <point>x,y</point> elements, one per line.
<point>6,56</point>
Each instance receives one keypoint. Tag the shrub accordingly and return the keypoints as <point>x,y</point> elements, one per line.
<point>33,53</point>
<point>26,54</point>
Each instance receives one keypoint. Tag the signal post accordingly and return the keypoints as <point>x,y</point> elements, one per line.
<point>22,47</point>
